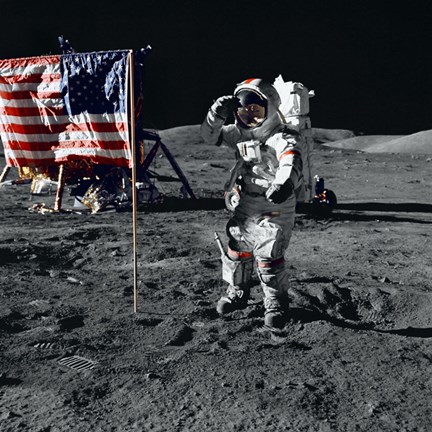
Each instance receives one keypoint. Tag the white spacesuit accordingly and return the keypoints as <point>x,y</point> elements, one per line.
<point>269,170</point>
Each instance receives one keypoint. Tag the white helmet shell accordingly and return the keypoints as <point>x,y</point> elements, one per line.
<point>273,119</point>
<point>264,88</point>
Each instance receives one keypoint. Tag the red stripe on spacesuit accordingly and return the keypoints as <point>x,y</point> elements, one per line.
<point>249,80</point>
<point>289,152</point>
<point>270,264</point>
<point>238,255</point>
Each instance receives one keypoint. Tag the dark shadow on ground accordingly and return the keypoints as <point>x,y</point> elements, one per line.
<point>370,218</point>
<point>359,211</point>
<point>184,204</point>
<point>410,332</point>
<point>387,207</point>
<point>7,381</point>
<point>407,332</point>
<point>340,212</point>
<point>308,315</point>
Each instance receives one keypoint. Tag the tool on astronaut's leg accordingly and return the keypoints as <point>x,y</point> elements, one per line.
<point>219,243</point>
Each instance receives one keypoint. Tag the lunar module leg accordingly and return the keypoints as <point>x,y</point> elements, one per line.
<point>151,155</point>
<point>4,174</point>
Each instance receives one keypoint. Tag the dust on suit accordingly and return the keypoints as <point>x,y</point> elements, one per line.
<point>269,160</point>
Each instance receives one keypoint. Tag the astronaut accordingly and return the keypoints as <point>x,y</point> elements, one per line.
<point>269,171</point>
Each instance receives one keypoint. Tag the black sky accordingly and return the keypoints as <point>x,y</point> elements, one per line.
<point>369,62</point>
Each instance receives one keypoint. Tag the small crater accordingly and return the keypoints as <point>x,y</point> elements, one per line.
<point>11,327</point>
<point>148,322</point>
<point>175,332</point>
<point>71,322</point>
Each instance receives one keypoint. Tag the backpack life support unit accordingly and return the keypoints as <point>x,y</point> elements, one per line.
<point>294,110</point>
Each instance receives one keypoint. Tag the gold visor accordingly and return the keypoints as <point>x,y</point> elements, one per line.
<point>251,115</point>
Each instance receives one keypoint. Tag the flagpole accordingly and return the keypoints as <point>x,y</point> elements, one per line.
<point>134,193</point>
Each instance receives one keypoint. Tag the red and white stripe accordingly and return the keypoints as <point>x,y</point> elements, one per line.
<point>35,128</point>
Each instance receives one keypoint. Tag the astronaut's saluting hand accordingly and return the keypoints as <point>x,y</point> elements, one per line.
<point>269,165</point>
<point>225,105</point>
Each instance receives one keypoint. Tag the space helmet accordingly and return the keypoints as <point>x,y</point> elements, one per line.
<point>258,100</point>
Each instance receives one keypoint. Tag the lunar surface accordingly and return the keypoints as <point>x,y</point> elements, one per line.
<point>356,354</point>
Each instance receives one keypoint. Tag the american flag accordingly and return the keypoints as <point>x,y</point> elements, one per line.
<point>62,107</point>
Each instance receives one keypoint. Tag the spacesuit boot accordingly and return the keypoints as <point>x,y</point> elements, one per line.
<point>236,297</point>
<point>237,270</point>
<point>274,315</point>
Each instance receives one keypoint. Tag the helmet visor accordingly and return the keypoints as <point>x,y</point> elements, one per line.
<point>251,115</point>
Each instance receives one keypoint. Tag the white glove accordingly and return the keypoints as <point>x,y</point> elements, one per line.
<point>225,105</point>
<point>278,193</point>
